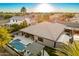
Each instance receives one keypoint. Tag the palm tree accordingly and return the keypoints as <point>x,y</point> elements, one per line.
<point>23,10</point>
<point>68,49</point>
<point>5,36</point>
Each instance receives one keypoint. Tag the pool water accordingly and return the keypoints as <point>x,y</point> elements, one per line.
<point>16,44</point>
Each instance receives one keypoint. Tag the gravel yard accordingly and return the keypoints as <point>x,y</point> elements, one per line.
<point>3,21</point>
<point>3,52</point>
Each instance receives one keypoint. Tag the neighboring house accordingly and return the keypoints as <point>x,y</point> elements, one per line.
<point>18,20</point>
<point>46,33</point>
<point>30,19</point>
<point>74,27</point>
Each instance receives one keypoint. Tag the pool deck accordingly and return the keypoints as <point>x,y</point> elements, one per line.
<point>23,39</point>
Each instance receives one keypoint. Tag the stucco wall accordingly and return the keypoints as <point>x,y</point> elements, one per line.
<point>45,42</point>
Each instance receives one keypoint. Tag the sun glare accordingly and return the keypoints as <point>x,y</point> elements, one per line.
<point>44,8</point>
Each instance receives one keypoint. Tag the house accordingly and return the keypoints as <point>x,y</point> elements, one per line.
<point>30,41</point>
<point>18,20</point>
<point>73,27</point>
<point>30,19</point>
<point>45,33</point>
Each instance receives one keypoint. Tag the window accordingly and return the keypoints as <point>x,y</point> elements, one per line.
<point>16,20</point>
<point>40,39</point>
<point>13,20</point>
<point>27,35</point>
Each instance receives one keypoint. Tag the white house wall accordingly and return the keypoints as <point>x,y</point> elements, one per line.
<point>11,22</point>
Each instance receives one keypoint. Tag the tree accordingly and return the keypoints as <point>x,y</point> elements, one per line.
<point>7,16</point>
<point>69,49</point>
<point>23,24</point>
<point>5,36</point>
<point>69,15</point>
<point>15,27</point>
<point>23,10</point>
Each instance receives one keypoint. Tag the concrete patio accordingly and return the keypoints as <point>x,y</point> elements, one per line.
<point>23,39</point>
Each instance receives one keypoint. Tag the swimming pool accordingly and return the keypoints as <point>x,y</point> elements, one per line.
<point>17,45</point>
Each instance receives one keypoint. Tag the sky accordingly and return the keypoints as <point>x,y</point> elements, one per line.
<point>58,7</point>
